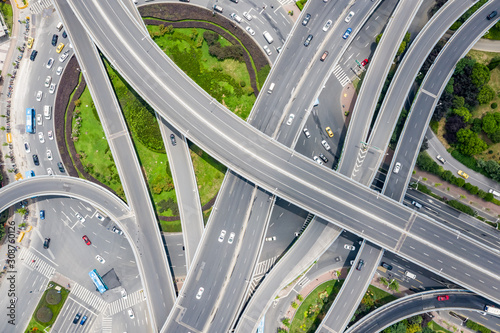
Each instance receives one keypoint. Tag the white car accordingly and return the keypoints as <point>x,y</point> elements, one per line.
<point>50,135</point>
<point>349,17</point>
<point>200,292</point>
<point>50,63</point>
<point>39,119</point>
<point>441,159</point>
<point>306,133</point>
<point>231,238</point>
<point>325,144</point>
<point>52,88</point>
<point>27,148</point>
<point>100,259</point>
<point>397,167</point>
<point>41,137</point>
<point>39,95</point>
<point>222,235</point>
<point>316,158</point>
<point>64,56</point>
<point>268,51</point>
<point>99,217</point>
<point>247,16</point>
<point>327,25</point>
<point>131,313</point>
<point>50,172</point>
<point>270,239</point>
<point>349,247</point>
<point>49,154</point>
<point>290,119</point>
<point>80,218</point>
<point>48,80</point>
<point>235,17</point>
<point>59,70</point>
<point>250,31</point>
<point>124,293</point>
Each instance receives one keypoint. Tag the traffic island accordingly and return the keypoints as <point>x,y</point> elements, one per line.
<point>48,308</point>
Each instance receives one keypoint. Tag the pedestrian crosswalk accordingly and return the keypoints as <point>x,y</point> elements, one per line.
<point>35,263</point>
<point>341,75</point>
<point>107,325</point>
<point>264,266</point>
<point>303,281</point>
<point>88,297</point>
<point>125,303</point>
<point>285,2</point>
<point>38,6</point>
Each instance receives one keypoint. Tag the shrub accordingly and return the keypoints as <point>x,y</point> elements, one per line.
<point>494,105</point>
<point>78,103</point>
<point>44,314</point>
<point>461,207</point>
<point>53,297</point>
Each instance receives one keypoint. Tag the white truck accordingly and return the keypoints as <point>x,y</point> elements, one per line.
<point>268,37</point>
<point>47,111</point>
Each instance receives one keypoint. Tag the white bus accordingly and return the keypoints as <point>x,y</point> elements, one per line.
<point>492,310</point>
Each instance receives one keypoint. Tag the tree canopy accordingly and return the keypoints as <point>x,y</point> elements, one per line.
<point>470,142</point>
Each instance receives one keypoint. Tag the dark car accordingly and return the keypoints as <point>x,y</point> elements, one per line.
<point>308,40</point>
<point>387,266</point>
<point>33,55</point>
<point>84,319</point>
<point>86,240</point>
<point>46,243</point>
<point>54,39</point>
<point>492,15</point>
<point>323,157</point>
<point>64,34</point>
<point>361,263</point>
<point>42,215</point>
<point>35,159</point>
<point>172,139</point>
<point>443,297</point>
<point>60,166</point>
<point>306,19</point>
<point>77,318</point>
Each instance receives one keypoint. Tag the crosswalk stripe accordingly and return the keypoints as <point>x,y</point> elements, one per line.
<point>88,297</point>
<point>35,263</point>
<point>122,303</point>
<point>341,75</point>
<point>37,7</point>
<point>107,325</point>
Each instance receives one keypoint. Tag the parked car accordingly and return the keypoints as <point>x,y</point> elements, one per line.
<point>42,214</point>
<point>117,231</point>
<point>77,318</point>
<point>349,247</point>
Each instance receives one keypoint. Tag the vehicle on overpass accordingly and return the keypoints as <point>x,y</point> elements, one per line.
<point>492,310</point>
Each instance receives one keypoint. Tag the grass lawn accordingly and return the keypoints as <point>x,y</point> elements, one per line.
<point>6,9</point>
<point>209,173</point>
<point>493,33</point>
<point>315,306</point>
<point>34,324</point>
<point>436,328</point>
<point>93,146</point>
<point>227,81</point>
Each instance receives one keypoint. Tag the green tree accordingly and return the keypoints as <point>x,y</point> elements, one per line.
<point>495,137</point>
<point>377,39</point>
<point>496,60</point>
<point>449,87</point>
<point>462,112</point>
<point>458,102</point>
<point>480,75</point>
<point>394,285</point>
<point>486,94</point>
<point>491,122</point>
<point>469,142</point>
<point>22,211</point>
<point>464,62</point>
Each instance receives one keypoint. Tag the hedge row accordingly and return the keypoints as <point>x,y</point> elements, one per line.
<point>477,327</point>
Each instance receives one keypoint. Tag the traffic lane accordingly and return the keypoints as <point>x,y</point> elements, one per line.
<point>446,215</point>
<point>443,235</point>
<point>211,274</point>
<point>491,322</point>
<point>418,304</point>
<point>395,184</point>
<point>451,267</point>
<point>176,253</point>
<point>68,313</point>
<point>235,291</point>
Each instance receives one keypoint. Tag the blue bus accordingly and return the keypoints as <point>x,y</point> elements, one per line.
<point>99,283</point>
<point>30,120</point>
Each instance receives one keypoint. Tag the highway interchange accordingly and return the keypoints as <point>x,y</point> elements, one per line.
<point>267,165</point>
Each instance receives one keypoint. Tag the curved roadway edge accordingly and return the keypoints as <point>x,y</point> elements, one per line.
<point>402,82</point>
<point>428,96</point>
<point>154,263</point>
<point>186,188</point>
<point>316,239</point>
<point>134,12</point>
<point>265,162</point>
<point>415,304</point>
<point>375,77</point>
<point>354,288</point>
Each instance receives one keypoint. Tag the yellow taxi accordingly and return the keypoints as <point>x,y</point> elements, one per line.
<point>60,47</point>
<point>329,132</point>
<point>31,40</point>
<point>463,174</point>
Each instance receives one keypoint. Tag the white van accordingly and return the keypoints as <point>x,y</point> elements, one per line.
<point>59,26</point>
<point>271,87</point>
<point>416,204</point>
<point>268,37</point>
<point>410,275</point>
<point>47,111</point>
<point>495,193</point>
<point>218,8</point>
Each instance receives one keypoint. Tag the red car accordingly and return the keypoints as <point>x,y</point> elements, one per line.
<point>365,62</point>
<point>86,240</point>
<point>443,297</point>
